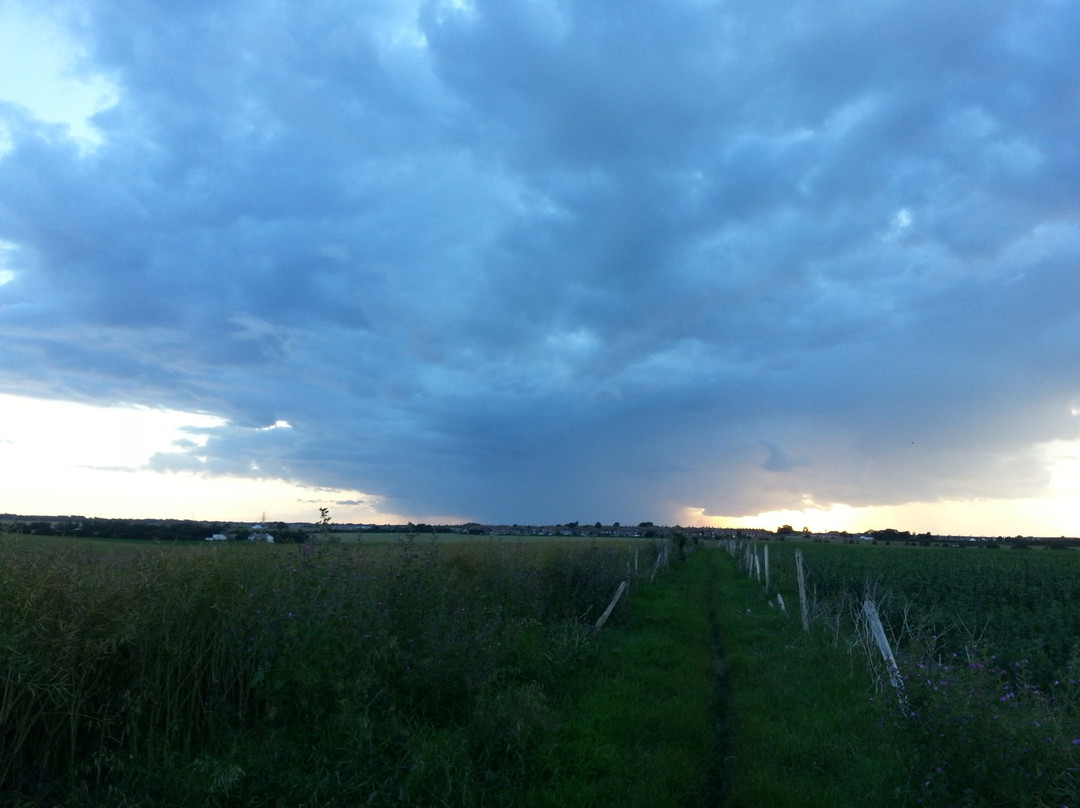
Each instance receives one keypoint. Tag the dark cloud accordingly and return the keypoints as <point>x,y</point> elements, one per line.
<point>548,261</point>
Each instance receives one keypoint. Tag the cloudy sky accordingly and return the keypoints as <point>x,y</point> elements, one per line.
<point>543,260</point>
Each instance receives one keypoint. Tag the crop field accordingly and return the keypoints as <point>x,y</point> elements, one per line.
<point>369,537</point>
<point>987,644</point>
<point>424,672</point>
<point>1025,604</point>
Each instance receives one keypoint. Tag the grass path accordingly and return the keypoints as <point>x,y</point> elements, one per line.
<point>709,697</point>
<point>634,732</point>
<point>803,729</point>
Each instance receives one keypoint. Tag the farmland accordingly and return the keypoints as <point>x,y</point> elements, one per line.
<point>421,672</point>
<point>987,641</point>
<point>1023,603</point>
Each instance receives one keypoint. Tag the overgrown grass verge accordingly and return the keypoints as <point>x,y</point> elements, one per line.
<point>804,731</point>
<point>317,675</point>
<point>633,728</point>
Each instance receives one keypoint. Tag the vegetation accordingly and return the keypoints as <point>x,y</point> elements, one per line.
<point>424,673</point>
<point>262,675</point>
<point>988,713</point>
<point>1023,605</point>
<point>157,530</point>
<point>637,726</point>
<point>803,730</point>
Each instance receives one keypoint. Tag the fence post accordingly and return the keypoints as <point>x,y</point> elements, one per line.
<point>802,591</point>
<point>656,566</point>
<point>766,568</point>
<point>611,606</point>
<point>872,617</point>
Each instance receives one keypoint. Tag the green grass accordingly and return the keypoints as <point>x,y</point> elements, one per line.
<point>708,696</point>
<point>267,675</point>
<point>804,731</point>
<point>27,543</point>
<point>415,674</point>
<point>377,537</point>
<point>635,723</point>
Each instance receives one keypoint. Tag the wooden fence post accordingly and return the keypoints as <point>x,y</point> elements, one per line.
<point>803,605</point>
<point>611,606</point>
<point>874,620</point>
<point>656,566</point>
<point>766,568</point>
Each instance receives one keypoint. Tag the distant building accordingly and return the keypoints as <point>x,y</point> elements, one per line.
<point>258,533</point>
<point>217,537</point>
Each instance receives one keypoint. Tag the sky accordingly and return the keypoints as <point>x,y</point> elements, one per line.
<point>539,261</point>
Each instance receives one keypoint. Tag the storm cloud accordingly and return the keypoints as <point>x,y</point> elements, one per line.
<point>542,260</point>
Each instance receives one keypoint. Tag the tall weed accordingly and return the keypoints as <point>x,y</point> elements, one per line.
<point>249,674</point>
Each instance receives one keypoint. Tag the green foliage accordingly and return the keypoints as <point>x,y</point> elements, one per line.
<point>298,675</point>
<point>987,648</point>
<point>981,736</point>
<point>634,730</point>
<point>802,731</point>
<point>1024,605</point>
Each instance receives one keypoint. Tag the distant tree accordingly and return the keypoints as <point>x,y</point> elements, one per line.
<point>286,535</point>
<point>892,533</point>
<point>785,529</point>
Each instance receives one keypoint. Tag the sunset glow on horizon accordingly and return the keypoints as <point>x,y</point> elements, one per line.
<point>64,458</point>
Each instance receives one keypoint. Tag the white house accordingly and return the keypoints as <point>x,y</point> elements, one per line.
<point>258,533</point>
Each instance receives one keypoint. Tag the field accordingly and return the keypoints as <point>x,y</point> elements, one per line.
<point>987,646</point>
<point>428,672</point>
<point>410,673</point>
<point>1025,604</point>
